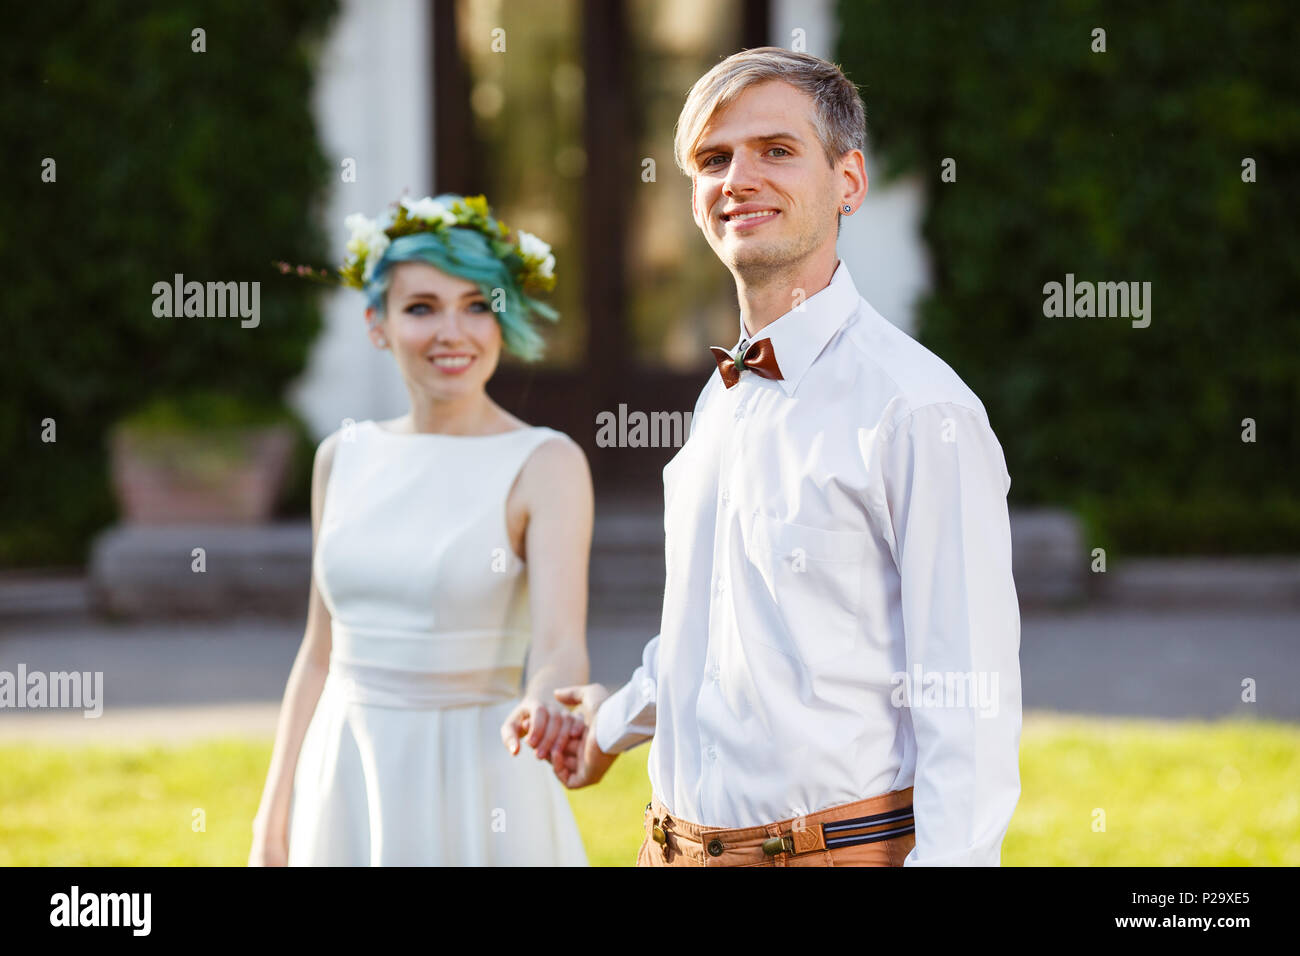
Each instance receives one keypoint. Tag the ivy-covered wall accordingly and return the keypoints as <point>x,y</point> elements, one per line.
<point>166,158</point>
<point>1128,165</point>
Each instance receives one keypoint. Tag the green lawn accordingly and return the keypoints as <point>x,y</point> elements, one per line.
<point>1173,794</point>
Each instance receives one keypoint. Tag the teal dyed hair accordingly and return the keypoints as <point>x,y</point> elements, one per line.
<point>465,253</point>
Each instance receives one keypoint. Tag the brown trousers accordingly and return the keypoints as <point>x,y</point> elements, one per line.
<point>808,841</point>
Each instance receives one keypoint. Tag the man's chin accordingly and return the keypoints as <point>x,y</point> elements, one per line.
<point>747,255</point>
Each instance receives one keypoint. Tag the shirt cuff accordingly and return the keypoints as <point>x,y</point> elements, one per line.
<point>975,856</point>
<point>626,718</point>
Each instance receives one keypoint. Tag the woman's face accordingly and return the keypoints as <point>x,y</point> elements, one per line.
<point>442,331</point>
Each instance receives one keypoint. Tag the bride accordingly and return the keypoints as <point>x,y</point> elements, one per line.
<point>399,739</point>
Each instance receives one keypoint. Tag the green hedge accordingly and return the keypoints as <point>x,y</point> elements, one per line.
<point>1117,166</point>
<point>168,161</point>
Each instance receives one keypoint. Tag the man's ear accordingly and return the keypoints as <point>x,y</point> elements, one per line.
<point>853,173</point>
<point>695,213</point>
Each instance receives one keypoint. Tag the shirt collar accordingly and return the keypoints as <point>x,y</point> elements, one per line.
<point>799,336</point>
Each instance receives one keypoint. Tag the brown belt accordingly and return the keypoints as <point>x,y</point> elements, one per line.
<point>887,816</point>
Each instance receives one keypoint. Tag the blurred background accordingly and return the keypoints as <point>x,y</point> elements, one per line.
<point>1156,525</point>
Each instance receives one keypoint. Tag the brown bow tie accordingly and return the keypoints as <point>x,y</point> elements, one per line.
<point>759,358</point>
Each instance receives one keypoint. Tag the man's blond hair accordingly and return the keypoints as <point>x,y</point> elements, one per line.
<point>838,115</point>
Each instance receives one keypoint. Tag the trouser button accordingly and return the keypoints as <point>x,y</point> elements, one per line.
<point>715,848</point>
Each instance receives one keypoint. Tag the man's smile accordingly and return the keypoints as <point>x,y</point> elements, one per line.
<point>744,218</point>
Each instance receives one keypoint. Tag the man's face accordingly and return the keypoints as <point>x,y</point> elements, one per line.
<point>763,193</point>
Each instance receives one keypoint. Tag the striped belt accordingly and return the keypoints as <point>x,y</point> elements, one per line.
<point>816,832</point>
<point>828,836</point>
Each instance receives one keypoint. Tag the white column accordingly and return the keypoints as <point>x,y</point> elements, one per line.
<point>373,104</point>
<point>881,242</point>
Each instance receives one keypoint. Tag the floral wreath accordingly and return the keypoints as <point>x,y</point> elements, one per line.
<point>527,257</point>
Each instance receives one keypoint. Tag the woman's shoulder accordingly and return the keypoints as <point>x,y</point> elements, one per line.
<point>326,451</point>
<point>543,436</point>
<point>554,443</point>
<point>329,448</point>
<point>554,457</point>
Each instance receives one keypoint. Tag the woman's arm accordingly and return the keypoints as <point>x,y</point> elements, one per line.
<point>271,824</point>
<point>556,487</point>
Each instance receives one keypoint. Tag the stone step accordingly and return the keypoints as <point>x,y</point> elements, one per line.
<point>1201,582</point>
<point>42,593</point>
<point>146,572</point>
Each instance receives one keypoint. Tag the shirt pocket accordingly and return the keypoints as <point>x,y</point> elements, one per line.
<point>812,579</point>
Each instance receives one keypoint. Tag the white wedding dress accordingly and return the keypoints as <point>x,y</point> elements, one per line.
<point>403,762</point>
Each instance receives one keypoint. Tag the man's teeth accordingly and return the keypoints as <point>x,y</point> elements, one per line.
<point>751,215</point>
<point>459,361</point>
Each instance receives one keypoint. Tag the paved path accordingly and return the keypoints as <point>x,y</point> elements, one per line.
<point>170,681</point>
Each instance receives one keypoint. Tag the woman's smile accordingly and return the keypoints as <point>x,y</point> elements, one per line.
<point>452,363</point>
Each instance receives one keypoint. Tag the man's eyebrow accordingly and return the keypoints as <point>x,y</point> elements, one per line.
<point>759,138</point>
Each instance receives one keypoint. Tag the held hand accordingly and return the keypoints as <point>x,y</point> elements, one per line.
<point>583,762</point>
<point>546,724</point>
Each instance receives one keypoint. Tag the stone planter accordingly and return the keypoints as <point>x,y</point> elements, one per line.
<point>212,476</point>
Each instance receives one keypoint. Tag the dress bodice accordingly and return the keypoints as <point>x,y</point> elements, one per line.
<point>414,563</point>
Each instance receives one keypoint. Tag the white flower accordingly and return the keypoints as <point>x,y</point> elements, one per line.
<point>359,225</point>
<point>533,248</point>
<point>368,241</point>
<point>547,268</point>
<point>375,247</point>
<point>430,210</point>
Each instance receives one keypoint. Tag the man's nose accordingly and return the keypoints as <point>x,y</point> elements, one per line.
<point>742,174</point>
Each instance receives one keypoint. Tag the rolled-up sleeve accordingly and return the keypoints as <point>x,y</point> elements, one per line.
<point>627,717</point>
<point>945,485</point>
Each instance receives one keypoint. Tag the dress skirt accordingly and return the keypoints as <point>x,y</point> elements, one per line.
<point>399,786</point>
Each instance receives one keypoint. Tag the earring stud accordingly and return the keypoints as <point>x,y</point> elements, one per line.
<point>847,209</point>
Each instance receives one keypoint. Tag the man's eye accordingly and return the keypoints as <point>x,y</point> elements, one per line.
<point>780,148</point>
<point>710,160</point>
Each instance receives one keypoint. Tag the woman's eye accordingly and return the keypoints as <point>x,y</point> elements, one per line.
<point>415,308</point>
<point>479,306</point>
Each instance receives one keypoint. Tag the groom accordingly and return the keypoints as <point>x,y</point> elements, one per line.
<point>836,680</point>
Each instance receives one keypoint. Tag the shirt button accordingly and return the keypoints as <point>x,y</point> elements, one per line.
<point>740,412</point>
<point>711,753</point>
<point>726,495</point>
<point>722,585</point>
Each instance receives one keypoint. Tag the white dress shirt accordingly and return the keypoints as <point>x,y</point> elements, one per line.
<point>825,534</point>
